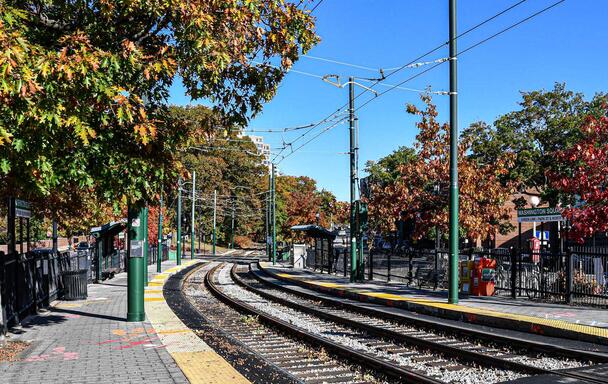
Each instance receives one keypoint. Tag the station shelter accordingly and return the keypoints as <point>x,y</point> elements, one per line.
<point>109,254</point>
<point>320,253</point>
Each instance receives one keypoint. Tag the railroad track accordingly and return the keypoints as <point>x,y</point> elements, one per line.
<point>434,326</point>
<point>298,362</point>
<point>461,349</point>
<point>404,363</point>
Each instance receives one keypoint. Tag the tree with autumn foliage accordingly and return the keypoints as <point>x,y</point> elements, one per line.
<point>83,89</point>
<point>580,175</point>
<point>298,201</point>
<point>421,187</point>
<point>229,164</point>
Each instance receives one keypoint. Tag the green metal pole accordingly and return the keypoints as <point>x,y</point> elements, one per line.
<point>135,253</point>
<point>145,224</point>
<point>267,223</point>
<point>179,222</point>
<point>214,217</point>
<point>352,234</point>
<point>361,275</point>
<point>232,228</point>
<point>159,248</point>
<point>359,235</point>
<point>453,273</point>
<point>192,218</point>
<point>274,218</point>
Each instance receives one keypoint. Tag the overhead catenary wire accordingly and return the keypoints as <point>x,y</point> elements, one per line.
<point>510,27</point>
<point>316,5</point>
<point>417,59</point>
<point>415,65</point>
<point>311,139</point>
<point>440,62</point>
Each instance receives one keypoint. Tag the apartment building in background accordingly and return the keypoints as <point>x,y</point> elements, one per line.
<point>263,149</point>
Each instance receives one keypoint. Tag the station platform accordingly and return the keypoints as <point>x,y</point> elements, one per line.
<point>586,324</point>
<point>90,341</point>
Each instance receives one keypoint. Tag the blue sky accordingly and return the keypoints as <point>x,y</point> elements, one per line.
<point>569,43</point>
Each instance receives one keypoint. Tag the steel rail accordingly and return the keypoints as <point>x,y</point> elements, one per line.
<point>443,349</point>
<point>451,329</point>
<point>372,363</point>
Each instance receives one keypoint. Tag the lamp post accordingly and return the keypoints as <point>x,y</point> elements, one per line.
<point>214,218</point>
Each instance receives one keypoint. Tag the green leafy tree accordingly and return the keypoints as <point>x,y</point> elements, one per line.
<point>84,84</point>
<point>547,121</point>
<point>386,170</point>
<point>228,164</point>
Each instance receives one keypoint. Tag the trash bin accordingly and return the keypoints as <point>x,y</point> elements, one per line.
<point>74,284</point>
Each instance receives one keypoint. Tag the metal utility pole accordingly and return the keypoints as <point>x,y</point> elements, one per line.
<point>360,262</point>
<point>214,217</point>
<point>274,219</point>
<point>192,218</point>
<point>267,223</point>
<point>135,255</point>
<point>453,272</point>
<point>179,222</point>
<point>353,164</point>
<point>159,247</point>
<point>232,226</point>
<point>145,220</point>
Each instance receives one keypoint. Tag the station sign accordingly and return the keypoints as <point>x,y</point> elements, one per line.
<point>23,209</point>
<point>137,248</point>
<point>542,215</point>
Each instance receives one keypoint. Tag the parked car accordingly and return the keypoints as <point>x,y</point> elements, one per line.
<point>83,246</point>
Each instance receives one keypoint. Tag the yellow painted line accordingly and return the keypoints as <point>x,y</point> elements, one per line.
<point>153,291</point>
<point>586,329</point>
<point>173,331</point>
<point>156,283</point>
<point>154,299</point>
<point>207,367</point>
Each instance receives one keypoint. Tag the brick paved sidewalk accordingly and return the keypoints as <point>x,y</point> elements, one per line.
<point>91,342</point>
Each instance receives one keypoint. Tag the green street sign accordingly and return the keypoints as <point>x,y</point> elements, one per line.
<point>22,209</point>
<point>545,215</point>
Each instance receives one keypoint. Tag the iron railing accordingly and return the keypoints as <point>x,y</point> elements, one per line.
<point>29,281</point>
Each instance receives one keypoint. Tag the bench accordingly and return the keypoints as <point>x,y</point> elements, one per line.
<point>425,276</point>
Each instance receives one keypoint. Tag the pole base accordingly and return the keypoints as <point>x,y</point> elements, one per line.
<point>133,317</point>
<point>453,301</point>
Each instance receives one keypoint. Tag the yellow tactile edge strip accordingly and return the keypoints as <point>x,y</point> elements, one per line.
<point>199,363</point>
<point>560,324</point>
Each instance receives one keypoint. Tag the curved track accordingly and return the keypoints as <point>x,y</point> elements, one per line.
<point>380,352</point>
<point>525,358</point>
<point>290,360</point>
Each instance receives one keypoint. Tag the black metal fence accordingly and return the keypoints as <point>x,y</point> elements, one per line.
<point>29,281</point>
<point>114,262</point>
<point>320,256</point>
<point>578,276</point>
<point>32,280</point>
